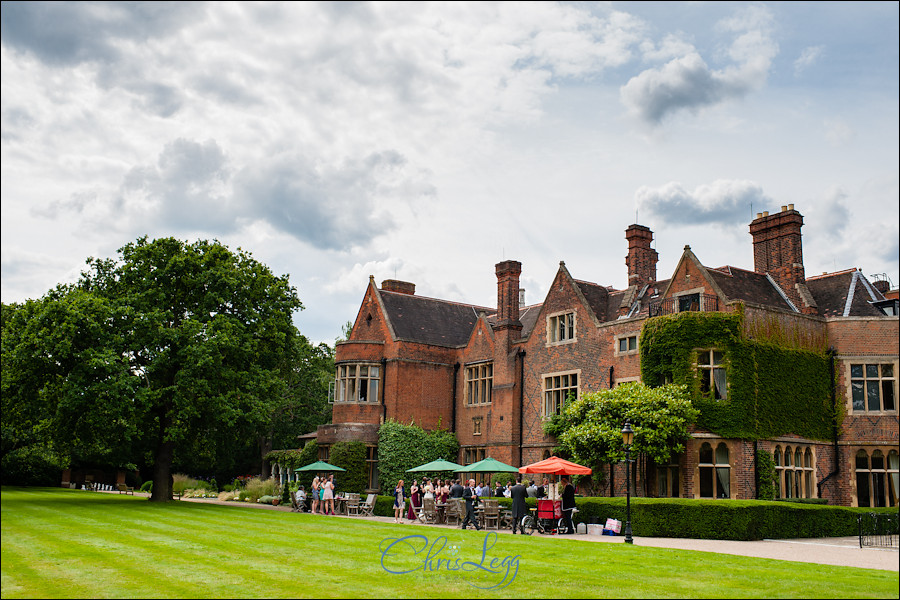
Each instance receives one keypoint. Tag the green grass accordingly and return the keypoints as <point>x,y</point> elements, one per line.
<point>74,544</point>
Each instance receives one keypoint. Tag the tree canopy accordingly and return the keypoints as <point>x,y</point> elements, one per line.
<point>171,347</point>
<point>589,429</point>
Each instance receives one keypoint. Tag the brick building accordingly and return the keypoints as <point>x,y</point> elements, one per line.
<point>494,374</point>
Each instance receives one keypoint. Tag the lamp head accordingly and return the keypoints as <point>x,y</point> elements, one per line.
<point>627,433</point>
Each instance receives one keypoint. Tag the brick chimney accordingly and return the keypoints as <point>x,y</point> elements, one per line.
<point>401,287</point>
<point>641,260</point>
<point>882,285</point>
<point>778,251</point>
<point>508,294</point>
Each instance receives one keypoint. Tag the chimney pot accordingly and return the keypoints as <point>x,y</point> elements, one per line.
<point>765,213</point>
<point>790,207</point>
<point>401,287</point>
<point>783,208</point>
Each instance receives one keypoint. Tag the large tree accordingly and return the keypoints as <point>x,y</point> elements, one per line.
<point>171,346</point>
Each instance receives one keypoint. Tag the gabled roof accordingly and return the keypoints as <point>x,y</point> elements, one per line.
<point>430,321</point>
<point>750,286</point>
<point>597,298</point>
<point>528,316</point>
<point>844,294</point>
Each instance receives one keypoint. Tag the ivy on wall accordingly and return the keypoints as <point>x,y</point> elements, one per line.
<point>774,387</point>
<point>352,457</point>
<point>402,447</point>
<point>765,475</point>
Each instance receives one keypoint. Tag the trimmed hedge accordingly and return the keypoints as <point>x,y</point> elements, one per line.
<point>741,520</point>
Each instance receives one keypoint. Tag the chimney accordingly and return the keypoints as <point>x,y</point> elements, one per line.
<point>508,273</point>
<point>778,249</point>
<point>641,260</point>
<point>401,287</point>
<point>882,285</point>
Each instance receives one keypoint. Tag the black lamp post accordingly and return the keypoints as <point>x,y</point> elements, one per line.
<point>628,438</point>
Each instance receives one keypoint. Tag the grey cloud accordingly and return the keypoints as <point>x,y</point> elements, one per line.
<point>724,202</point>
<point>333,208</point>
<point>67,33</point>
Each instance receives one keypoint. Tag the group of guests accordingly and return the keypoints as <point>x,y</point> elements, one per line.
<point>444,490</point>
<point>321,494</point>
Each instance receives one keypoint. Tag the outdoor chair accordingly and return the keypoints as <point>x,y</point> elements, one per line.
<point>491,514</point>
<point>353,505</point>
<point>367,509</point>
<point>429,512</point>
<point>456,510</point>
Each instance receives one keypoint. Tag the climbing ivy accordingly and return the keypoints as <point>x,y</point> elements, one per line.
<point>774,387</point>
<point>765,474</point>
<point>402,447</point>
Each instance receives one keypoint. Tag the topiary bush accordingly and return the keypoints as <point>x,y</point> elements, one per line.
<point>147,487</point>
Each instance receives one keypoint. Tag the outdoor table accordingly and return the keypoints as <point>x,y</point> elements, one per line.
<point>440,510</point>
<point>340,505</point>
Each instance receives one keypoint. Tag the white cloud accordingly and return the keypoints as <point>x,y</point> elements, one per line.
<point>722,202</point>
<point>687,82</point>
<point>838,132</point>
<point>807,58</point>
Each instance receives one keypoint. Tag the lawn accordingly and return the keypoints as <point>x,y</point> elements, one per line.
<point>73,544</point>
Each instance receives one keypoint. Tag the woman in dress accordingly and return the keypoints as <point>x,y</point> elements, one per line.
<point>399,501</point>
<point>429,490</point>
<point>314,490</point>
<point>445,492</point>
<point>413,500</point>
<point>328,495</point>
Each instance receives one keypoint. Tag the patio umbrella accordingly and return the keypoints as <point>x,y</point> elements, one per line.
<point>488,465</point>
<point>436,465</point>
<point>320,466</point>
<point>556,466</point>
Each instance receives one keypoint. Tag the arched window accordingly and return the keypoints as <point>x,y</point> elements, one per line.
<point>715,471</point>
<point>794,478</point>
<point>877,478</point>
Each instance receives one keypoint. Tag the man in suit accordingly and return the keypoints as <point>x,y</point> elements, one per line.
<point>568,505</point>
<point>532,489</point>
<point>519,507</point>
<point>471,498</point>
<point>456,490</point>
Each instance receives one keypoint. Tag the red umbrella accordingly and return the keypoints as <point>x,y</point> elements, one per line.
<point>556,466</point>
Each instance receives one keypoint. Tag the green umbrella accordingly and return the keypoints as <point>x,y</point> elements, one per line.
<point>320,466</point>
<point>436,465</point>
<point>488,465</point>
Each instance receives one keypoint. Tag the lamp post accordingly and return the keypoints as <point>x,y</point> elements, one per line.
<point>627,439</point>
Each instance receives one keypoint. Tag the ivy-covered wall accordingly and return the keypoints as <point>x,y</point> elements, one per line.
<point>402,447</point>
<point>774,388</point>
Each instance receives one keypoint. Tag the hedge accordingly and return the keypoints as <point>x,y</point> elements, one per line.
<point>742,520</point>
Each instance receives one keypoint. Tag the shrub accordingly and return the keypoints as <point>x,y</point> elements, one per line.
<point>227,496</point>
<point>257,488</point>
<point>147,487</point>
<point>181,483</point>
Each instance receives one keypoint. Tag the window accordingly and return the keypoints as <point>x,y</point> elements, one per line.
<point>357,383</point>
<point>689,303</point>
<point>873,387</point>
<point>627,344</point>
<point>877,478</point>
<point>710,368</point>
<point>794,472</point>
<point>558,389</point>
<point>715,471</point>
<point>372,467</point>
<point>479,381</point>
<point>561,328</point>
<point>667,480</point>
<point>324,453</point>
<point>476,426</point>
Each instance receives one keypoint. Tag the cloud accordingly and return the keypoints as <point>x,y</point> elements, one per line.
<point>69,33</point>
<point>807,58</point>
<point>687,82</point>
<point>723,202</point>
<point>838,132</point>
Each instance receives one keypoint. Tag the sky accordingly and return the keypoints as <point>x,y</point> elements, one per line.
<point>427,142</point>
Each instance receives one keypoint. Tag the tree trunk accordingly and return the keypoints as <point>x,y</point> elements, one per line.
<point>162,465</point>
<point>265,446</point>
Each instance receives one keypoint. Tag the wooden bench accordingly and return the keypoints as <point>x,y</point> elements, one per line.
<point>124,489</point>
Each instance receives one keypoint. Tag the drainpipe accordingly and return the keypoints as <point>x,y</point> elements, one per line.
<point>453,403</point>
<point>383,387</point>
<point>834,429</point>
<point>612,376</point>
<point>756,466</point>
<point>521,355</point>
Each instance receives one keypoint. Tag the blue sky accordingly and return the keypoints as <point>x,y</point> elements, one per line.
<point>428,141</point>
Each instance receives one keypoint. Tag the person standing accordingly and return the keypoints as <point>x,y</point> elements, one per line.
<point>399,501</point>
<point>414,501</point>
<point>328,496</point>
<point>471,498</point>
<point>314,490</point>
<point>568,505</point>
<point>532,489</point>
<point>518,493</point>
<point>456,490</point>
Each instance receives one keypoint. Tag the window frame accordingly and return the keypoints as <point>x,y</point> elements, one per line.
<point>547,392</point>
<point>339,390</point>
<point>629,350</point>
<point>479,378</point>
<point>797,479</point>
<point>864,362</point>
<point>886,478</point>
<point>716,470</point>
<point>571,328</point>
<point>706,373</point>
